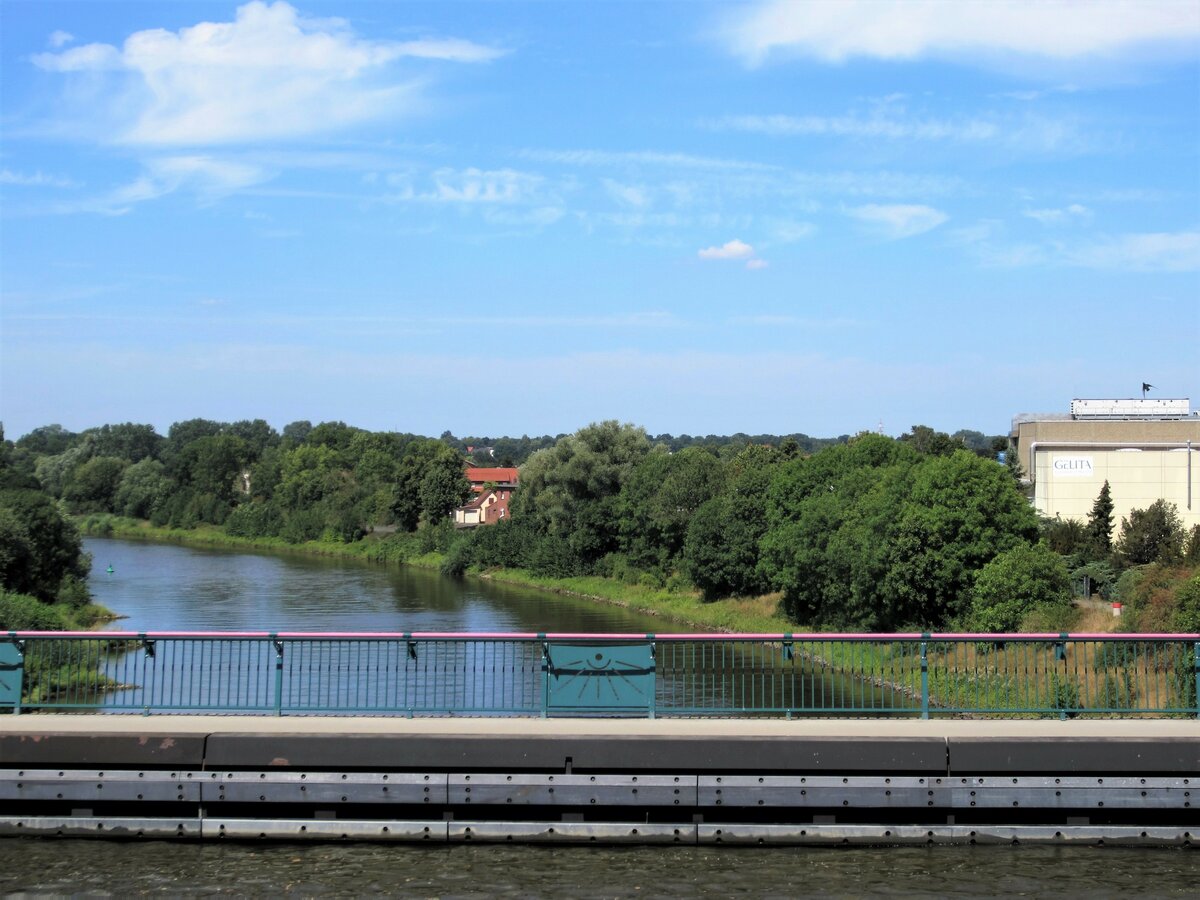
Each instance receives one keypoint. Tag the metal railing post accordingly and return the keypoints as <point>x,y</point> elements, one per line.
<point>545,674</point>
<point>925,675</point>
<point>653,674</point>
<point>278,704</point>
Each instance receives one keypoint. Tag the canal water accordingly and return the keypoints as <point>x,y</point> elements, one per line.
<point>163,587</point>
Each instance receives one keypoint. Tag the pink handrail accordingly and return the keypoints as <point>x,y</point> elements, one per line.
<point>616,636</point>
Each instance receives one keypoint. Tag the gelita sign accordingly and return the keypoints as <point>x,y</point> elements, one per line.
<point>1073,467</point>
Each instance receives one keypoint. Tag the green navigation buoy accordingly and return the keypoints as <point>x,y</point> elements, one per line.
<point>109,570</point>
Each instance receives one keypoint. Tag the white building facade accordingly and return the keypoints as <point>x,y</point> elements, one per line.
<point>1144,453</point>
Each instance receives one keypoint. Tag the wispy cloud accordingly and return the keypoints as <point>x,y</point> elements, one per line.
<point>1153,252</point>
<point>899,220</point>
<point>1135,252</point>
<point>208,178</point>
<point>911,29</point>
<point>59,39</point>
<point>768,320</point>
<point>1074,213</point>
<point>627,194</point>
<point>879,126</point>
<point>641,158</point>
<point>269,74</point>
<point>481,186</point>
<point>35,179</point>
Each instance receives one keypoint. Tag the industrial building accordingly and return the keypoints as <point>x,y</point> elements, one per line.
<point>1145,450</point>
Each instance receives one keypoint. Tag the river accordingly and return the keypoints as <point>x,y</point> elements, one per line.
<point>164,587</point>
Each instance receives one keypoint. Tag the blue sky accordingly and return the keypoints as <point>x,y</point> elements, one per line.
<point>505,218</point>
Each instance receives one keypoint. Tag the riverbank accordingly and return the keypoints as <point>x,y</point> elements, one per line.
<point>750,614</point>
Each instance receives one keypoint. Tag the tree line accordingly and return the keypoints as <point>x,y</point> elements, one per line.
<point>863,532</point>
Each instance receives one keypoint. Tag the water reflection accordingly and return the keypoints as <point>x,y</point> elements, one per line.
<point>162,587</point>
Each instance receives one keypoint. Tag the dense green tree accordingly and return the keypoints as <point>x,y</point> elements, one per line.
<point>212,465</point>
<point>127,441</point>
<point>1153,534</point>
<point>93,486</point>
<point>1191,547</point>
<point>144,488</point>
<point>962,511</point>
<point>335,435</point>
<point>721,551</point>
<point>309,474</point>
<point>258,435</point>
<point>443,485</point>
<point>183,433</point>
<point>658,502</point>
<point>872,535</point>
<point>54,473</point>
<point>830,520</point>
<point>1187,606</point>
<point>1065,536</point>
<point>48,440</point>
<point>41,549</point>
<point>297,432</point>
<point>568,492</point>
<point>1015,583</point>
<point>406,504</point>
<point>1100,521</point>
<point>929,442</point>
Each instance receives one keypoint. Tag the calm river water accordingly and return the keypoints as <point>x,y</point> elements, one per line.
<point>165,587</point>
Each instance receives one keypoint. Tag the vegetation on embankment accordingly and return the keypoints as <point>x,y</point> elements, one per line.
<point>21,612</point>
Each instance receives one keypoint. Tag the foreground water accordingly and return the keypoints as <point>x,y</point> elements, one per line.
<point>99,868</point>
<point>166,587</point>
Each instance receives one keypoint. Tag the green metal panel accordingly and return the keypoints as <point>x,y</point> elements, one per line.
<point>12,668</point>
<point>600,677</point>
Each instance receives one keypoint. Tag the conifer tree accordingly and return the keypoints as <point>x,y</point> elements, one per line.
<point>1100,521</point>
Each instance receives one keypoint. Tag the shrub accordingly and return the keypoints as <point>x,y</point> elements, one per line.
<point>255,519</point>
<point>1014,584</point>
<point>21,612</point>
<point>458,558</point>
<point>1153,534</point>
<point>1187,606</point>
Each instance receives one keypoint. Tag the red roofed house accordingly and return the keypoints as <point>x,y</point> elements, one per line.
<point>501,476</point>
<point>490,505</point>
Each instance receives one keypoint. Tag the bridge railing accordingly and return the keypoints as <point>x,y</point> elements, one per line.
<point>908,674</point>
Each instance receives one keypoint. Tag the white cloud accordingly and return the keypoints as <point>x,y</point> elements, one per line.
<point>890,126</point>
<point>1074,213</point>
<point>59,39</point>
<point>627,194</point>
<point>641,158</point>
<point>734,249</point>
<point>836,30</point>
<point>480,186</point>
<point>1153,252</point>
<point>37,179</point>
<point>208,178</point>
<point>899,220</point>
<point>269,74</point>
